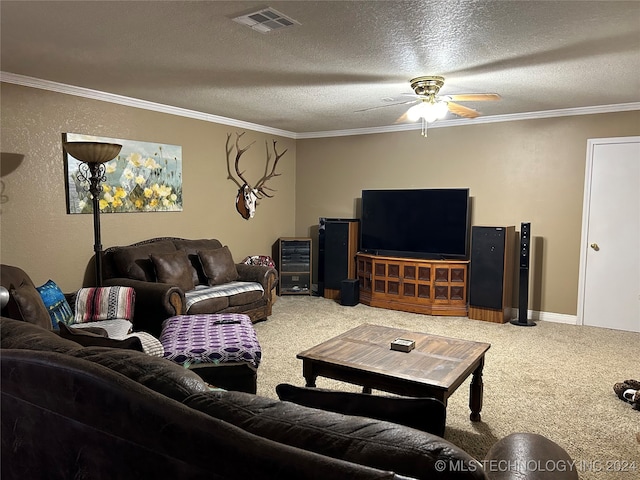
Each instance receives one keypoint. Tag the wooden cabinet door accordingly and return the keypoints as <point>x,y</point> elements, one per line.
<point>364,271</point>
<point>415,280</point>
<point>450,282</point>
<point>400,280</point>
<point>386,277</point>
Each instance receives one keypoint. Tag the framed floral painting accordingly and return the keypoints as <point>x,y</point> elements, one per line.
<point>144,177</point>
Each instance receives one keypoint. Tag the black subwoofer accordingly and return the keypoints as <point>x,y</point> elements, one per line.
<point>349,292</point>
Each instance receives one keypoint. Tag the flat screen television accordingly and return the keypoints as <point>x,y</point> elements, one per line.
<point>423,223</point>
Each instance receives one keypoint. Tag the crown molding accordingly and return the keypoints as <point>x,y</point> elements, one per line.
<point>183,112</point>
<point>510,117</point>
<point>137,103</point>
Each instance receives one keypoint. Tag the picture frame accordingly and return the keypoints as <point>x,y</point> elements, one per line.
<point>144,177</point>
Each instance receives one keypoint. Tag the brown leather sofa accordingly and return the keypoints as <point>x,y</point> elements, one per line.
<point>160,295</point>
<point>102,413</point>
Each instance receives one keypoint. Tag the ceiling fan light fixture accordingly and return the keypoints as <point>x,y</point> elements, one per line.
<point>416,112</point>
<point>441,108</point>
<point>428,111</point>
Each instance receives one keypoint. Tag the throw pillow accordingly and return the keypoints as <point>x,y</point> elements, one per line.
<point>192,247</point>
<point>56,304</point>
<point>30,306</point>
<point>104,303</point>
<point>134,262</point>
<point>218,265</point>
<point>426,414</point>
<point>89,339</point>
<point>174,268</point>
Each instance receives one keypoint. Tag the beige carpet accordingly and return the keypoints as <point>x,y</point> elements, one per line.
<point>552,379</point>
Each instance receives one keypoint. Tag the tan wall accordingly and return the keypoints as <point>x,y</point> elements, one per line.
<point>521,171</point>
<point>38,235</point>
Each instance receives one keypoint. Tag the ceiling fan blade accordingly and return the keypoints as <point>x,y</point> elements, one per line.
<point>384,106</point>
<point>462,111</point>
<point>474,97</point>
<point>402,118</point>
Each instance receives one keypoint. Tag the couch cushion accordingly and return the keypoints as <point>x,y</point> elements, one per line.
<point>235,291</point>
<point>174,268</point>
<point>90,339</point>
<point>134,262</point>
<point>95,304</point>
<point>245,298</point>
<point>218,265</point>
<point>30,306</point>
<point>209,305</point>
<point>365,441</point>
<point>426,414</point>
<point>56,303</point>
<point>191,248</point>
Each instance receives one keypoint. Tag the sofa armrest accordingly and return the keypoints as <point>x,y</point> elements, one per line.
<point>426,414</point>
<point>364,441</point>
<point>154,303</point>
<point>266,276</point>
<point>529,456</point>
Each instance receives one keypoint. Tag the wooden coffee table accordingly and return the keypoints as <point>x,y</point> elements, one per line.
<point>435,368</point>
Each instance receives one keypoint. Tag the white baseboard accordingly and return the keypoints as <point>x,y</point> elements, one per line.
<point>548,317</point>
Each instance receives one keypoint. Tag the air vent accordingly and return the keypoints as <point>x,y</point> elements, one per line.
<point>265,20</point>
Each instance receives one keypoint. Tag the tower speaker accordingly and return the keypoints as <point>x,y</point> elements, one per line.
<point>523,293</point>
<point>491,273</point>
<point>322,222</point>
<point>338,245</point>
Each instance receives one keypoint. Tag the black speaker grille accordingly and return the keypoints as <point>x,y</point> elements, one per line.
<point>486,276</point>
<point>336,259</point>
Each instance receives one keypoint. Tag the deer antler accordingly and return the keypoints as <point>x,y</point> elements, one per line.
<point>260,186</point>
<point>239,152</point>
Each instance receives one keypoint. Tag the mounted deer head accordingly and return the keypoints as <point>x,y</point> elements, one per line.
<point>247,197</point>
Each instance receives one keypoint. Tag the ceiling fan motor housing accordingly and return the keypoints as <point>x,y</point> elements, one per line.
<point>427,86</point>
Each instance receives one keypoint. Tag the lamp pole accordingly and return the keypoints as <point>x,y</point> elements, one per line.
<point>97,176</point>
<point>93,156</point>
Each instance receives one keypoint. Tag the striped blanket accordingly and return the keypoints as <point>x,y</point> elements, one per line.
<point>204,292</point>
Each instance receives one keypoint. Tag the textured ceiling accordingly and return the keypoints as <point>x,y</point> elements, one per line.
<point>343,58</point>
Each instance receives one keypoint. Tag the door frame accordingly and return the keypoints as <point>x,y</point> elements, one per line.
<point>591,144</point>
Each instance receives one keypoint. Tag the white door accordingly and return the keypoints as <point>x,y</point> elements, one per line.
<point>609,287</point>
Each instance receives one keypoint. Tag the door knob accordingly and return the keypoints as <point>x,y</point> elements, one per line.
<point>595,246</point>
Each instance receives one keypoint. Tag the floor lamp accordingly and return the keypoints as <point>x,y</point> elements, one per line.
<point>93,156</point>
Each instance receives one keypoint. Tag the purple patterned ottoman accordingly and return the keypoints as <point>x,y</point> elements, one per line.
<point>208,342</point>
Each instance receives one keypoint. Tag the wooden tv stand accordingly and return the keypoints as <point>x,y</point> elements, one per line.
<point>433,287</point>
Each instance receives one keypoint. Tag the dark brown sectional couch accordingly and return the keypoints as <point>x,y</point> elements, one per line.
<point>102,413</point>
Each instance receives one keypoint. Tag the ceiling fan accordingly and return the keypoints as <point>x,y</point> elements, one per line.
<point>431,107</point>
<point>430,103</point>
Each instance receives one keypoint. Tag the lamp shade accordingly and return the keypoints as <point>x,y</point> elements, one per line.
<point>92,152</point>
